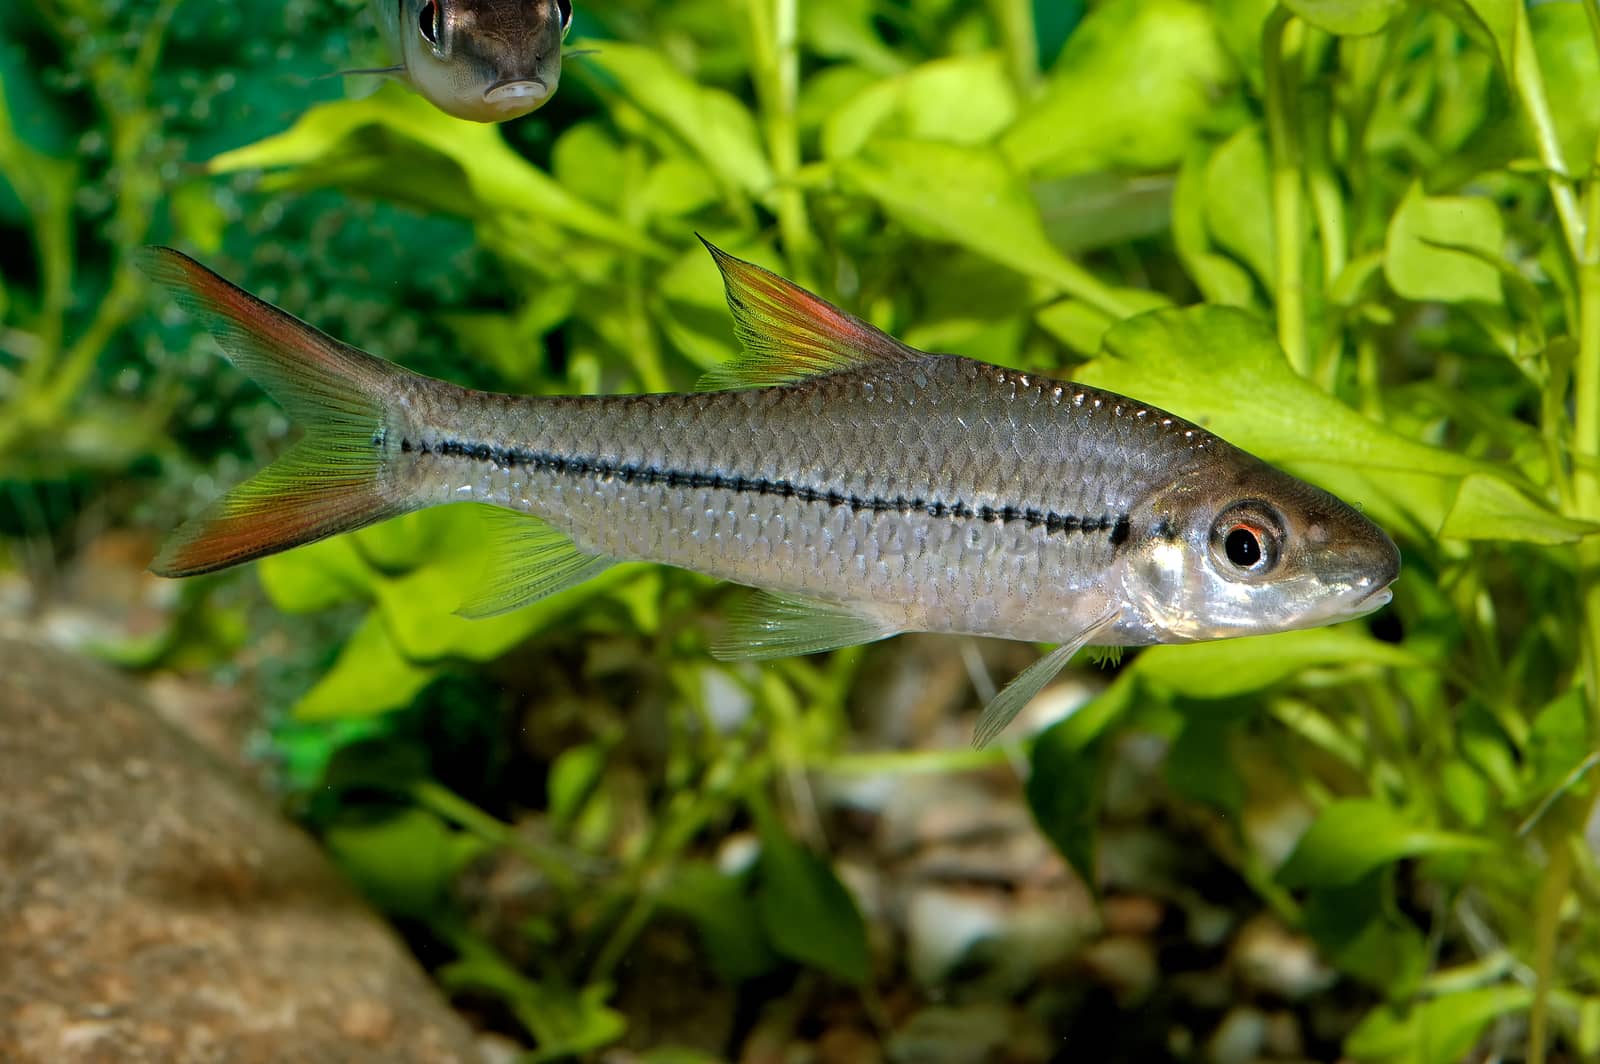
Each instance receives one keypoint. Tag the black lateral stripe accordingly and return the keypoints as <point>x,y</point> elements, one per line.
<point>1117,525</point>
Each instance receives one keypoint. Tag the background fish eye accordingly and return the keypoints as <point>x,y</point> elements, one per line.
<point>428,24</point>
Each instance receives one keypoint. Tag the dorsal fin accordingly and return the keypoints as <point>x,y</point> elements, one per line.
<point>787,333</point>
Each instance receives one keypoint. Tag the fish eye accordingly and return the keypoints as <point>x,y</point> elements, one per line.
<point>428,23</point>
<point>1248,539</point>
<point>565,7</point>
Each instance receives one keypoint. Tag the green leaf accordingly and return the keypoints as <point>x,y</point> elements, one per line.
<point>1201,766</point>
<point>1354,836</point>
<point>964,100</point>
<point>1222,367</point>
<point>1169,70</point>
<point>369,677</point>
<point>729,925</point>
<point>1421,265</point>
<point>573,776</point>
<point>711,122</point>
<point>397,146</point>
<point>1061,796</point>
<point>806,912</point>
<point>1219,278</point>
<point>564,1021</point>
<point>1569,58</point>
<point>1358,928</point>
<point>1488,508</point>
<point>1235,194</point>
<point>1441,1030</point>
<point>1558,744</point>
<point>1347,18</point>
<point>1228,668</point>
<point>404,863</point>
<point>969,196</point>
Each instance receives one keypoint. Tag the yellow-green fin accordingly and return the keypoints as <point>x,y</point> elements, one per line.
<point>768,625</point>
<point>789,334</point>
<point>1014,696</point>
<point>528,560</point>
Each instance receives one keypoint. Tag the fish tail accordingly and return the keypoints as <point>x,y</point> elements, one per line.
<point>337,478</point>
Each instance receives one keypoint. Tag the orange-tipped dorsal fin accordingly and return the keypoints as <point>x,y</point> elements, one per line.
<point>788,334</point>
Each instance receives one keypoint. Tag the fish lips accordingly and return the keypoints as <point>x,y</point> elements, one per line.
<point>517,93</point>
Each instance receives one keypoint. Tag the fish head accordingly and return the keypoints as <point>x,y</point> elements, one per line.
<point>484,60</point>
<point>1248,549</point>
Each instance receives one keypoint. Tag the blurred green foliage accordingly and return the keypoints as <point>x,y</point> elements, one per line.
<point>1360,238</point>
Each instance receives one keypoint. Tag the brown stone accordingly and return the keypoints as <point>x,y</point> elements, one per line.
<point>154,908</point>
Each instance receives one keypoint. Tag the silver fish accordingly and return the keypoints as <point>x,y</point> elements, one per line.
<point>482,60</point>
<point>866,487</point>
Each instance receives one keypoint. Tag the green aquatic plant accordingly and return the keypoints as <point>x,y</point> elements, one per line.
<point>1361,239</point>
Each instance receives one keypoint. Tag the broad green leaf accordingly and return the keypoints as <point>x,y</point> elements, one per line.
<point>369,677</point>
<point>1222,367</point>
<point>969,196</point>
<point>1358,928</point>
<point>963,100</point>
<point>807,913</point>
<point>1347,18</point>
<point>843,29</point>
<point>566,1022</point>
<point>1227,668</point>
<point>396,145</point>
<point>1441,1030</point>
<point>1559,743</point>
<point>1201,766</point>
<point>1236,195</point>
<point>1355,836</point>
<point>1219,278</point>
<point>1168,68</point>
<point>1488,508</point>
<point>714,124</point>
<point>729,925</point>
<point>1061,796</point>
<point>573,776</point>
<point>404,863</point>
<point>1103,209</point>
<point>1421,265</point>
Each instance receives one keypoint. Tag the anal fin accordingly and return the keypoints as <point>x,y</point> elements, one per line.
<point>528,560</point>
<point>1014,696</point>
<point>770,625</point>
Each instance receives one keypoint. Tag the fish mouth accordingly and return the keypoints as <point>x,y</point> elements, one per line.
<point>516,91</point>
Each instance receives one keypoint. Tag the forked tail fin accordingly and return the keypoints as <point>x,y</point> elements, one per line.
<point>333,480</point>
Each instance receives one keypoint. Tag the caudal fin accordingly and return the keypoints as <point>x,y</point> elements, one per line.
<point>334,479</point>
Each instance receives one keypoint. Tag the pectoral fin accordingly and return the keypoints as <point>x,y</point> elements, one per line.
<point>1004,707</point>
<point>528,560</point>
<point>768,625</point>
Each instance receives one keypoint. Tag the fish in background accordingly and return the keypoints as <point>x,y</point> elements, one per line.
<point>482,60</point>
<point>865,487</point>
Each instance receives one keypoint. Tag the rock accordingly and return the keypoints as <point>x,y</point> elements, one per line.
<point>153,908</point>
<point>1269,957</point>
<point>1238,1038</point>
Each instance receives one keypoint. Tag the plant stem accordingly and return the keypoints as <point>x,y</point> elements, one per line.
<point>1017,34</point>
<point>1546,922</point>
<point>775,36</point>
<point>1286,193</point>
<point>1528,84</point>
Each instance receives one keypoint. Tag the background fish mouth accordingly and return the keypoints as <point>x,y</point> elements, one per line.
<point>519,90</point>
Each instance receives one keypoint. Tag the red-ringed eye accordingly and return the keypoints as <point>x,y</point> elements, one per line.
<point>428,22</point>
<point>1243,546</point>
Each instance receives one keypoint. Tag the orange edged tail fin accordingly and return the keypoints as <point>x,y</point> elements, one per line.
<point>333,480</point>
